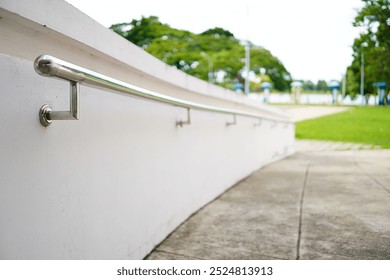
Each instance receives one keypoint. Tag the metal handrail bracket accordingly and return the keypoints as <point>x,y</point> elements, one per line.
<point>188,121</point>
<point>234,122</point>
<point>50,66</point>
<point>47,115</point>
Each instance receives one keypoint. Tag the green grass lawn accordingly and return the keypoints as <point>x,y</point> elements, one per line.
<point>367,125</point>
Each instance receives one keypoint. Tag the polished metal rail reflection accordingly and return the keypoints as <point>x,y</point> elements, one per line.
<point>50,66</point>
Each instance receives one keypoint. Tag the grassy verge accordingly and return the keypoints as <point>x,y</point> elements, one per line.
<point>367,125</point>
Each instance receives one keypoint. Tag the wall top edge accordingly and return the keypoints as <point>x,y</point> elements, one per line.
<point>63,18</point>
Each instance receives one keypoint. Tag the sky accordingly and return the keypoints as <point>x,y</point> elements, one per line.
<point>312,38</point>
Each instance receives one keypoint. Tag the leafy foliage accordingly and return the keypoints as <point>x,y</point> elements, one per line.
<point>374,44</point>
<point>214,55</point>
<point>309,86</point>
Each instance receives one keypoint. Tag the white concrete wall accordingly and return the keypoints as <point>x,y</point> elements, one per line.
<point>115,183</point>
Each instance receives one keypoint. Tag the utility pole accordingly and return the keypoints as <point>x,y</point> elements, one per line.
<point>344,85</point>
<point>210,73</point>
<point>247,67</point>
<point>247,53</point>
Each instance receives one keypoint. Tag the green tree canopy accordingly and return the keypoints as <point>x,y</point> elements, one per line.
<point>262,58</point>
<point>214,55</point>
<point>144,31</point>
<point>374,44</point>
<point>218,32</point>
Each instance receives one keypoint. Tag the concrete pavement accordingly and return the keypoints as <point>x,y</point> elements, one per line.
<point>300,113</point>
<point>329,200</point>
<point>319,145</point>
<point>327,204</point>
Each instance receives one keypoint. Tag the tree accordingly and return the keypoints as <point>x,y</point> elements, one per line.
<point>322,86</point>
<point>308,86</point>
<point>352,87</point>
<point>144,31</point>
<point>263,59</point>
<point>373,44</point>
<point>218,32</point>
<point>215,52</point>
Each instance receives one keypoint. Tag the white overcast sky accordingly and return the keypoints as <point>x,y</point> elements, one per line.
<point>312,38</point>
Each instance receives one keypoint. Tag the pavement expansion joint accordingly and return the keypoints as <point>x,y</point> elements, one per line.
<point>310,205</point>
<point>301,211</point>
<point>370,176</point>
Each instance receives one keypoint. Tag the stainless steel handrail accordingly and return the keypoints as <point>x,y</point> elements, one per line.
<point>50,66</point>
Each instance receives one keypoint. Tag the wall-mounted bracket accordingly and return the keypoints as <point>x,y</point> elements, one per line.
<point>234,121</point>
<point>188,121</point>
<point>47,115</point>
<point>258,123</point>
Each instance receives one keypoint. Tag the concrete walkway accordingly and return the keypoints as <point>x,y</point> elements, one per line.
<point>329,200</point>
<point>300,113</point>
<point>318,145</point>
<point>312,205</point>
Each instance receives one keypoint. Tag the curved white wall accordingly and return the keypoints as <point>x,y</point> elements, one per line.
<point>115,183</point>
